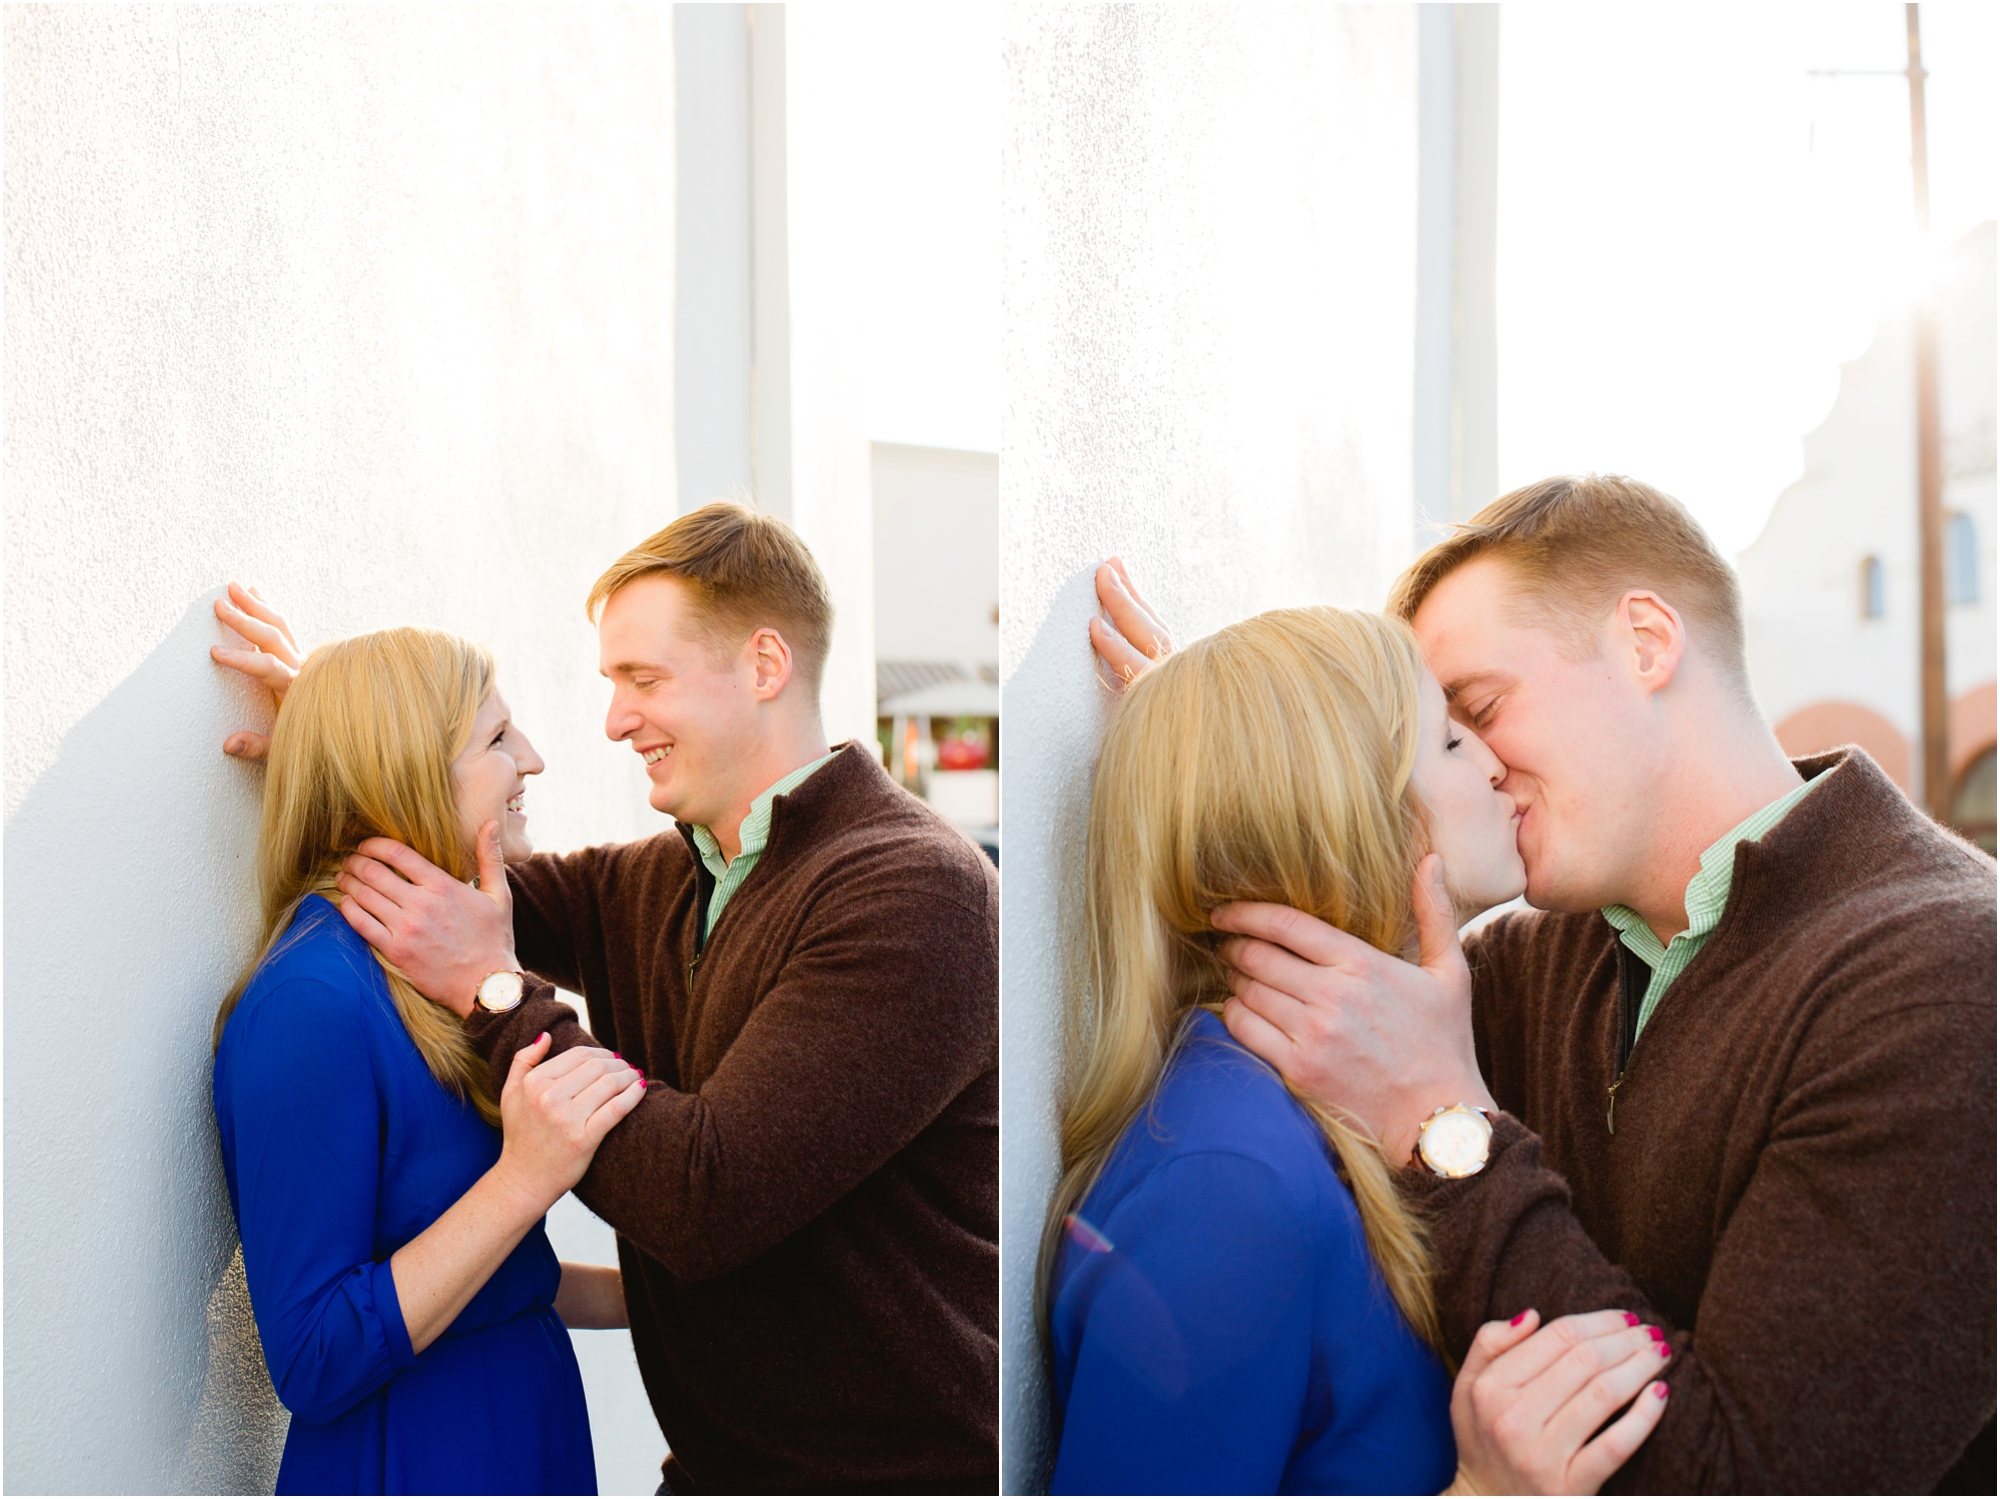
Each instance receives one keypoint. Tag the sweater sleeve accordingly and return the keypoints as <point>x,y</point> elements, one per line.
<point>1845,1332</point>
<point>1188,1376</point>
<point>305,1111</point>
<point>555,907</point>
<point>882,1013</point>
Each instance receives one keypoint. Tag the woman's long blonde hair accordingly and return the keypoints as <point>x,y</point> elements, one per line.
<point>1270,761</point>
<point>363,749</point>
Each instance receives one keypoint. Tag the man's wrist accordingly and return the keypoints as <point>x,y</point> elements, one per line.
<point>462,990</point>
<point>1420,1108</point>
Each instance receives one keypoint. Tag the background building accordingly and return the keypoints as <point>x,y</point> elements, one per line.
<point>1831,587</point>
<point>937,628</point>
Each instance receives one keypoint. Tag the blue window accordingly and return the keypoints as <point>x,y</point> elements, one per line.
<point>1873,605</point>
<point>1961,559</point>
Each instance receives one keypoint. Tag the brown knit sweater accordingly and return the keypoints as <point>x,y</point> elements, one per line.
<point>807,1211</point>
<point>1800,1188</point>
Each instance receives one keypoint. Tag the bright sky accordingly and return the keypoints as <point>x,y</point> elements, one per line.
<point>1694,232</point>
<point>895,150</point>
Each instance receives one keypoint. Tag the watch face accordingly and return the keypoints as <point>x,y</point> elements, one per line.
<point>500,991</point>
<point>1455,1143</point>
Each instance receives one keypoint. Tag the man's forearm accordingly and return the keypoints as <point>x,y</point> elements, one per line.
<point>1775,1354</point>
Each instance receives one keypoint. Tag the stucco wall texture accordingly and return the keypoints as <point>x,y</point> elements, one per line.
<point>1209,222</point>
<point>372,307</point>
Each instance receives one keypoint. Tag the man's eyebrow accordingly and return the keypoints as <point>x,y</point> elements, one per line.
<point>629,668</point>
<point>1458,687</point>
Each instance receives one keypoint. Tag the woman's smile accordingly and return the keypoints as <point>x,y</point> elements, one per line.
<point>492,777</point>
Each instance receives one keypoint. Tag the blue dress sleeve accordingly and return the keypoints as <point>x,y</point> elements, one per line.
<point>1192,1314</point>
<point>306,1121</point>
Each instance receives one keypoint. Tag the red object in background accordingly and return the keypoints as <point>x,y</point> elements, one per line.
<point>961,754</point>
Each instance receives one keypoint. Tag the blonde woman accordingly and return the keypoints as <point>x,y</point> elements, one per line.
<point>411,1309</point>
<point>1236,1300</point>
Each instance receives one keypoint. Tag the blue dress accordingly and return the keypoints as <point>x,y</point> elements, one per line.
<point>340,1148</point>
<point>1218,1324</point>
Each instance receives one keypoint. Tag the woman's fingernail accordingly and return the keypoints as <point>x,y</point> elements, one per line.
<point>1665,1351</point>
<point>619,1054</point>
<point>543,1036</point>
<point>1660,1389</point>
<point>1656,1335</point>
<point>1517,1318</point>
<point>1630,1319</point>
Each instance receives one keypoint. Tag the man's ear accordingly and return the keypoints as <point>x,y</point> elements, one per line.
<point>771,663</point>
<point>1650,630</point>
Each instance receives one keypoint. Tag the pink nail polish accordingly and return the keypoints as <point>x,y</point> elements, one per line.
<point>1660,1389</point>
<point>1665,1351</point>
<point>1630,1319</point>
<point>1516,1322</point>
<point>1656,1335</point>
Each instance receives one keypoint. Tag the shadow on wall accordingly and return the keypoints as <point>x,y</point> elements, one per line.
<point>132,1362</point>
<point>1046,800</point>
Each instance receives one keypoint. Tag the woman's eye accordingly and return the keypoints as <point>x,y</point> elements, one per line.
<point>1452,742</point>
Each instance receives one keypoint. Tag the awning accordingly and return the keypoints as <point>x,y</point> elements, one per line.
<point>962,699</point>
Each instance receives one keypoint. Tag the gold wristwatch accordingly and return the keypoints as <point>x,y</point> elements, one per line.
<point>1455,1140</point>
<point>499,991</point>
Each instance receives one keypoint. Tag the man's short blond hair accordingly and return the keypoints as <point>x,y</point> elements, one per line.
<point>747,571</point>
<point>1577,544</point>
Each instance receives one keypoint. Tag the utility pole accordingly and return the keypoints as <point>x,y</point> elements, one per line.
<point>1930,465</point>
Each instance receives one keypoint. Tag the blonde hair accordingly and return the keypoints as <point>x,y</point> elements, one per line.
<point>748,571</point>
<point>1270,761</point>
<point>364,748</point>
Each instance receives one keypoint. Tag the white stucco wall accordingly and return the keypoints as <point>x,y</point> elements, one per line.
<point>1209,265</point>
<point>371,306</point>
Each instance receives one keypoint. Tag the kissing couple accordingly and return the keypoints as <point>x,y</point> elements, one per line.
<point>1705,1138</point>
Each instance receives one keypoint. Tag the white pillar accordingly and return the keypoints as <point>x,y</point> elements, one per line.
<point>1456,454</point>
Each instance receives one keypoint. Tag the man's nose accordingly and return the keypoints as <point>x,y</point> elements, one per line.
<point>619,722</point>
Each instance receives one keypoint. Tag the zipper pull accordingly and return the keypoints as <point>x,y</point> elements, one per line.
<point>1611,1105</point>
<point>691,967</point>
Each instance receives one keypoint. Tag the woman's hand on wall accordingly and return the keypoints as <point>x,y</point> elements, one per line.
<point>272,660</point>
<point>554,1113</point>
<point>1134,637</point>
<point>1529,1397</point>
